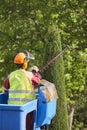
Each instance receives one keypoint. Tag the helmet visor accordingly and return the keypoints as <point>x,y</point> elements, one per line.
<point>30,56</point>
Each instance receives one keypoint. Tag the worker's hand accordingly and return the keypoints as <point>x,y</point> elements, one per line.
<point>34,69</point>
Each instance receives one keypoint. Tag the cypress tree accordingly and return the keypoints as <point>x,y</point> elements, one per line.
<point>55,74</point>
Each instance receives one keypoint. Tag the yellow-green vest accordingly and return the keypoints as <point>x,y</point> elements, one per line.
<point>21,90</point>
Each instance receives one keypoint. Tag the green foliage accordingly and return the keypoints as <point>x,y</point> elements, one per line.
<point>72,21</point>
<point>27,25</point>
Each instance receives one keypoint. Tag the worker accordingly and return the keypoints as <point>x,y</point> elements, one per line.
<point>20,83</point>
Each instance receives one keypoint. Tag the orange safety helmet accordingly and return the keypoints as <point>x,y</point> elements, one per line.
<point>20,58</point>
<point>23,58</point>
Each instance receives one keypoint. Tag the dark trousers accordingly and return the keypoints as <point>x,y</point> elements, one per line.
<point>30,121</point>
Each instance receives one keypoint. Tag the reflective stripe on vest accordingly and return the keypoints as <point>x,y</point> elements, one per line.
<point>21,90</point>
<point>19,99</point>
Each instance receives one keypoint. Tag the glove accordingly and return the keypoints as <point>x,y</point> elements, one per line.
<point>34,69</point>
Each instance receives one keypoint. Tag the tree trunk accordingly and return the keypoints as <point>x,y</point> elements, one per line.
<point>71,114</point>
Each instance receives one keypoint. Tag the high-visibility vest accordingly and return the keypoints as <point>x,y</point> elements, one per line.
<point>21,90</point>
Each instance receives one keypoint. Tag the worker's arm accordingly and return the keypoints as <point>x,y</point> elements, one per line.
<point>6,84</point>
<point>34,77</point>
